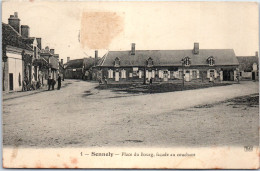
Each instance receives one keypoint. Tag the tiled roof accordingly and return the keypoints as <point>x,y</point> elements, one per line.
<point>11,37</point>
<point>169,57</point>
<point>246,62</point>
<point>29,40</point>
<point>76,63</point>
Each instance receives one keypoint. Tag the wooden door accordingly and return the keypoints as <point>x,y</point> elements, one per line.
<point>11,81</point>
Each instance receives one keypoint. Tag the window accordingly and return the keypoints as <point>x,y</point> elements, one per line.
<point>160,74</point>
<point>180,74</point>
<point>135,70</point>
<point>212,73</point>
<point>211,61</point>
<point>117,62</point>
<point>153,74</point>
<point>140,73</point>
<point>186,61</point>
<point>110,73</point>
<point>123,73</point>
<point>149,62</point>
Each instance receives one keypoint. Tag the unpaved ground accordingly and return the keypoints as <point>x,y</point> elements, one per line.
<point>81,116</point>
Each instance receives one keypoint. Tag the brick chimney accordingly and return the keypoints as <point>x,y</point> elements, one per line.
<point>39,43</point>
<point>196,48</point>
<point>96,58</point>
<point>256,53</point>
<point>14,21</point>
<point>52,51</point>
<point>61,61</point>
<point>25,31</point>
<point>133,49</point>
<point>68,59</point>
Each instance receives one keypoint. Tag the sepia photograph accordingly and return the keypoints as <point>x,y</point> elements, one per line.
<point>136,85</point>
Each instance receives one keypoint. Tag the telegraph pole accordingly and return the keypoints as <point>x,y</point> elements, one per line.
<point>182,63</point>
<point>144,75</point>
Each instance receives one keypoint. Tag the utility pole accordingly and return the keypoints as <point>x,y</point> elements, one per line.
<point>144,76</point>
<point>182,63</point>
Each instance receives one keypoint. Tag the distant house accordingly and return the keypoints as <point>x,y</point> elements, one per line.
<point>52,60</point>
<point>80,68</point>
<point>74,69</point>
<point>89,67</point>
<point>165,65</point>
<point>249,67</point>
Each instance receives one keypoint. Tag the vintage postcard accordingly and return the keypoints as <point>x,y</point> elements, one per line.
<point>137,85</point>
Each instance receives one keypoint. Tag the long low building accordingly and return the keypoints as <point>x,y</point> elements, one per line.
<point>165,65</point>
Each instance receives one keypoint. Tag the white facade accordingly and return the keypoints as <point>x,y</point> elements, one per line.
<point>15,71</point>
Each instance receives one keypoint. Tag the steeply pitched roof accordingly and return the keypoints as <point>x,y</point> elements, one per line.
<point>11,37</point>
<point>75,63</point>
<point>246,62</point>
<point>169,57</point>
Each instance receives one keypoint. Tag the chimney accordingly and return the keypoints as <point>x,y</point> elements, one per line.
<point>256,53</point>
<point>68,59</point>
<point>96,57</point>
<point>14,21</point>
<point>196,48</point>
<point>61,61</point>
<point>52,51</point>
<point>39,43</point>
<point>133,49</point>
<point>25,31</point>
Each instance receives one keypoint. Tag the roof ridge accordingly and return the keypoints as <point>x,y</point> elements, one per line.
<point>166,50</point>
<point>14,30</point>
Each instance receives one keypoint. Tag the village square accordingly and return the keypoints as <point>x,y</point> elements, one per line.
<point>195,96</point>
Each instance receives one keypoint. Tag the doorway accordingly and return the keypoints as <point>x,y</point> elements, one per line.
<point>228,75</point>
<point>11,81</point>
<point>253,75</point>
<point>117,76</point>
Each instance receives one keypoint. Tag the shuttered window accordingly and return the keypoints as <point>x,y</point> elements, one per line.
<point>123,73</point>
<point>110,73</point>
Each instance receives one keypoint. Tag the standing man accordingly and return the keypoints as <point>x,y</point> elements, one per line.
<point>59,81</point>
<point>49,82</point>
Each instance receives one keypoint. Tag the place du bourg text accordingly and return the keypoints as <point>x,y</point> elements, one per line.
<point>137,154</point>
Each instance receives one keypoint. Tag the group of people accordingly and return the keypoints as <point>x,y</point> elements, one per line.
<point>27,86</point>
<point>52,82</point>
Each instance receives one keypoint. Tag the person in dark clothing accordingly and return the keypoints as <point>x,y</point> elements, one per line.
<point>53,83</point>
<point>59,81</point>
<point>151,81</point>
<point>49,82</point>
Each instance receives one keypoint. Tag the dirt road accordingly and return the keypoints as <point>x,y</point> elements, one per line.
<point>81,116</point>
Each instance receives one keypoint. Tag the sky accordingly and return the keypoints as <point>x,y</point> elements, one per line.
<point>76,29</point>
